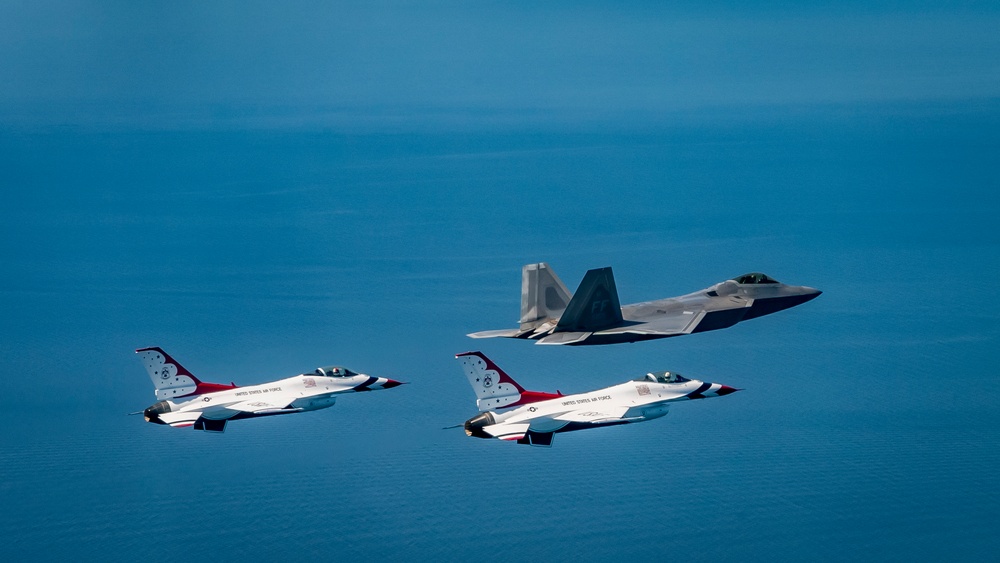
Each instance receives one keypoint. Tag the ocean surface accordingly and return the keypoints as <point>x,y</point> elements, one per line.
<point>868,428</point>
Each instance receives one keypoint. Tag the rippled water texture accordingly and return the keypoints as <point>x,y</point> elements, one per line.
<point>867,428</point>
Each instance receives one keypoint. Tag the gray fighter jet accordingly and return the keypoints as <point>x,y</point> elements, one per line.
<point>551,315</point>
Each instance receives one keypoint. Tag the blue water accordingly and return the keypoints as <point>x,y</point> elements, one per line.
<point>868,427</point>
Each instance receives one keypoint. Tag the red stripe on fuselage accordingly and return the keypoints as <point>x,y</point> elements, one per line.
<point>203,388</point>
<point>532,397</point>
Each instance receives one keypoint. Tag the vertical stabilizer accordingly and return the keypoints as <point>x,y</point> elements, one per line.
<point>493,387</point>
<point>170,378</point>
<point>543,295</point>
<point>594,306</point>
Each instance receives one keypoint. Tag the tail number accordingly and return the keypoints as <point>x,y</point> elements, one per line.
<point>598,307</point>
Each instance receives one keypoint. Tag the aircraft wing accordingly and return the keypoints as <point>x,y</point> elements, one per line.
<point>671,324</point>
<point>558,338</point>
<point>683,317</point>
<point>213,418</point>
<point>258,406</point>
<point>224,412</point>
<point>179,419</point>
<point>545,425</point>
<point>507,431</point>
<point>595,414</point>
<point>502,333</point>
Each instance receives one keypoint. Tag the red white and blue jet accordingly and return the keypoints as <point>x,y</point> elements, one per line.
<point>184,400</point>
<point>509,412</point>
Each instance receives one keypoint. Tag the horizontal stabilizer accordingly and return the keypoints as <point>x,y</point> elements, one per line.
<point>502,333</point>
<point>594,306</point>
<point>559,338</point>
<point>507,431</point>
<point>178,419</point>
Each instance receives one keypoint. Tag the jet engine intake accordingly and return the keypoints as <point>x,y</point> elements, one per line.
<point>152,413</point>
<point>727,287</point>
<point>474,426</point>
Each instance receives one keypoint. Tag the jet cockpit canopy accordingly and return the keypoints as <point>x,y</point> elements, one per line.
<point>334,371</point>
<point>664,377</point>
<point>754,278</point>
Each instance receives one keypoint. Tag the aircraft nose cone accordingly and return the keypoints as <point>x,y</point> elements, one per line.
<point>811,292</point>
<point>725,390</point>
<point>389,384</point>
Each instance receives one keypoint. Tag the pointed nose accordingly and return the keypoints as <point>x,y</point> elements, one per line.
<point>811,292</point>
<point>390,383</point>
<point>725,390</point>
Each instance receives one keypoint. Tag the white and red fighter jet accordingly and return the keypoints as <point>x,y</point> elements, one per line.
<point>186,401</point>
<point>509,412</point>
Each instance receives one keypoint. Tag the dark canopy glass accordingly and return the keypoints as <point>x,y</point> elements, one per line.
<point>754,278</point>
<point>663,377</point>
<point>334,371</point>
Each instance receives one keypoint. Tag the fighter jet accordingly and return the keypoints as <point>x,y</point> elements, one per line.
<point>551,315</point>
<point>532,417</point>
<point>186,401</point>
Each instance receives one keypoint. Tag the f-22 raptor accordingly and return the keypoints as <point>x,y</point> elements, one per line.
<point>186,401</point>
<point>511,413</point>
<point>550,314</point>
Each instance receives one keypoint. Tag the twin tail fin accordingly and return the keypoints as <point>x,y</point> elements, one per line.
<point>543,295</point>
<point>594,306</point>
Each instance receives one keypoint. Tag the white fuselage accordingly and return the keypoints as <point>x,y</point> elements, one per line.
<point>632,401</point>
<point>299,393</point>
<point>307,392</point>
<point>187,401</point>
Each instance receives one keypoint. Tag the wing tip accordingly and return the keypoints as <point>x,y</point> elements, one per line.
<point>501,333</point>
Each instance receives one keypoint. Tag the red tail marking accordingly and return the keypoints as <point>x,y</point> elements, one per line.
<point>533,397</point>
<point>211,388</point>
<point>526,396</point>
<point>200,386</point>
<point>504,378</point>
